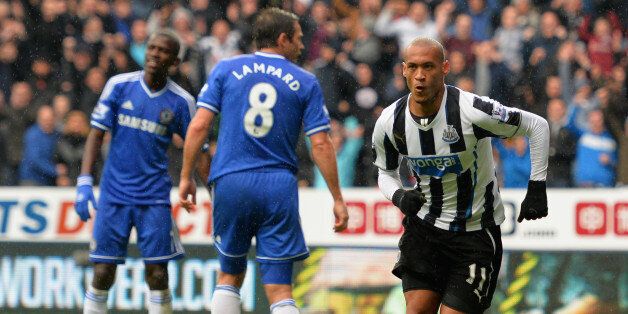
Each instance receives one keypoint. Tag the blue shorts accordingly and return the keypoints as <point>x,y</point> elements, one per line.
<point>263,205</point>
<point>157,234</point>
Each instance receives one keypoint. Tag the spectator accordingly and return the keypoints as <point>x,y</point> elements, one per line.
<point>15,119</point>
<point>461,40</point>
<point>596,152</point>
<point>366,48</point>
<point>562,146</point>
<point>396,87</point>
<point>405,23</point>
<point>139,36</point>
<point>539,52</point>
<point>466,83</point>
<point>337,84</point>
<point>92,87</point>
<point>69,149</point>
<point>458,67</point>
<point>223,43</point>
<point>481,12</point>
<point>492,76</point>
<point>602,44</point>
<point>38,166</point>
<point>42,81</point>
<point>347,139</point>
<point>514,157</point>
<point>8,66</point>
<point>123,17</point>
<point>61,105</point>
<point>367,95</point>
<point>509,39</point>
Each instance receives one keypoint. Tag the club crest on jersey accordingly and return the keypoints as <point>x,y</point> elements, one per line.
<point>450,135</point>
<point>166,116</point>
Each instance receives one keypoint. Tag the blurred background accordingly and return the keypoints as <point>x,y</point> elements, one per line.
<point>565,60</point>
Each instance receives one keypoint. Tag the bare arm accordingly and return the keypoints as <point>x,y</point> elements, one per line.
<point>92,149</point>
<point>194,139</point>
<point>324,156</point>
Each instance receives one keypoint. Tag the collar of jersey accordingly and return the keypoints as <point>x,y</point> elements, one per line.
<point>269,55</point>
<point>147,90</point>
<point>439,115</point>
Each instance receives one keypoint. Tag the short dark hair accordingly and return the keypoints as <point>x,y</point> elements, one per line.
<point>172,37</point>
<point>270,23</point>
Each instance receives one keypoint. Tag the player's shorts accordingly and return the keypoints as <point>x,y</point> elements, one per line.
<point>258,204</point>
<point>461,266</point>
<point>157,234</point>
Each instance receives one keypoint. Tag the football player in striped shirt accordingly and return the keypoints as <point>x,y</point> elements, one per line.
<point>142,110</point>
<point>451,248</point>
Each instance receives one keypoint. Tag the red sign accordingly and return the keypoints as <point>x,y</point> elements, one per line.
<point>357,218</point>
<point>621,218</point>
<point>591,218</point>
<point>387,218</point>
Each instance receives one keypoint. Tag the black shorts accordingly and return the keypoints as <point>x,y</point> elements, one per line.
<point>461,266</point>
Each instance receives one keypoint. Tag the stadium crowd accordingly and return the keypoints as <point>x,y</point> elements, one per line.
<point>565,60</point>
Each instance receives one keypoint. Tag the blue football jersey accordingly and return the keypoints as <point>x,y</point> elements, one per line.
<point>264,101</point>
<point>141,123</point>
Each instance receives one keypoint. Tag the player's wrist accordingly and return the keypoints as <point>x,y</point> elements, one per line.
<point>397,196</point>
<point>85,180</point>
<point>536,186</point>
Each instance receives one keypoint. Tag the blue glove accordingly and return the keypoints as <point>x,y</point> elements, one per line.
<point>84,195</point>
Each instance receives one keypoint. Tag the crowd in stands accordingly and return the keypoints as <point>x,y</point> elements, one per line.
<point>565,60</point>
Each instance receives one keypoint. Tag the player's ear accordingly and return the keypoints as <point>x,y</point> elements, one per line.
<point>446,67</point>
<point>405,69</point>
<point>283,39</point>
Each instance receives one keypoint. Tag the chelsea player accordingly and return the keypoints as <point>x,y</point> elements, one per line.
<point>264,100</point>
<point>142,110</point>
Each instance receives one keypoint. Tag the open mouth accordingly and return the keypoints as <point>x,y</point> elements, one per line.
<point>152,63</point>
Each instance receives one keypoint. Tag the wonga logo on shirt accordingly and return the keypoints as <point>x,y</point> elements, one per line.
<point>436,166</point>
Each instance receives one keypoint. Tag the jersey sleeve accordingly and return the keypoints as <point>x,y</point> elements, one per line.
<point>185,115</point>
<point>103,114</point>
<point>210,96</point>
<point>496,120</point>
<point>316,116</point>
<point>492,119</point>
<point>385,154</point>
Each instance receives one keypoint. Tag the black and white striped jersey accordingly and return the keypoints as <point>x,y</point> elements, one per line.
<point>451,157</point>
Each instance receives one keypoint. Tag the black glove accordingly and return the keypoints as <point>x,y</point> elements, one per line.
<point>534,206</point>
<point>408,201</point>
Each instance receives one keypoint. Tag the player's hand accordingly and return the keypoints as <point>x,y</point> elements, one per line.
<point>341,214</point>
<point>534,205</point>
<point>84,195</point>
<point>187,194</point>
<point>409,201</point>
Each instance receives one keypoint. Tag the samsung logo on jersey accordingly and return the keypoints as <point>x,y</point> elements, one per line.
<point>269,70</point>
<point>436,166</point>
<point>141,124</point>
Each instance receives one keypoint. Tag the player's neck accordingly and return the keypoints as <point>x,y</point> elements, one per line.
<point>429,107</point>
<point>155,82</point>
<point>272,50</point>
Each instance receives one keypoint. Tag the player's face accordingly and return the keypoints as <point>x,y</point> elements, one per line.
<point>160,55</point>
<point>293,51</point>
<point>424,72</point>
